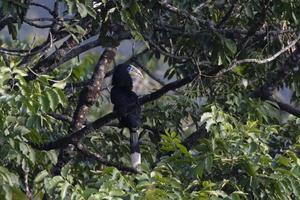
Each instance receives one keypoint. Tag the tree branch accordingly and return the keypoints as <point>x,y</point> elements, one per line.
<point>75,52</point>
<point>91,92</point>
<point>42,6</point>
<point>77,135</point>
<point>192,139</point>
<point>61,117</point>
<point>28,52</point>
<point>171,86</point>
<point>74,137</point>
<point>260,61</point>
<point>273,79</point>
<point>85,151</point>
<point>286,107</point>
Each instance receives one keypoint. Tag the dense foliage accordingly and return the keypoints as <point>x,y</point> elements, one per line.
<point>215,129</point>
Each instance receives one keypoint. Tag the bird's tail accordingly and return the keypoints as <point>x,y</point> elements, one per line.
<point>135,149</point>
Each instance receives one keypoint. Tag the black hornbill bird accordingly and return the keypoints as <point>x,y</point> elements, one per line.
<point>125,79</point>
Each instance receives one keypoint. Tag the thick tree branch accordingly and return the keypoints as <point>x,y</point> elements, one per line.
<point>286,107</point>
<point>47,63</point>
<point>76,136</point>
<point>91,92</point>
<point>171,86</point>
<point>192,139</point>
<point>75,52</point>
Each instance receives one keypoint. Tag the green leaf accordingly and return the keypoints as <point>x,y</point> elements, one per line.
<point>82,10</point>
<point>61,97</point>
<point>17,194</point>
<point>53,99</point>
<point>208,163</point>
<point>80,30</point>
<point>71,6</point>
<point>135,8</point>
<point>51,183</point>
<point>12,30</point>
<point>60,84</point>
<point>230,44</point>
<point>116,192</point>
<point>64,190</point>
<point>91,12</point>
<point>283,161</point>
<point>45,103</point>
<point>8,192</point>
<point>183,150</point>
<point>41,176</point>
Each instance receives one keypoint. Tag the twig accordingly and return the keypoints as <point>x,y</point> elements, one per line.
<point>85,151</point>
<point>28,52</point>
<point>41,6</point>
<point>61,117</point>
<point>260,61</point>
<point>26,182</point>
<point>37,25</point>
<point>207,24</point>
<point>158,48</point>
<point>227,15</point>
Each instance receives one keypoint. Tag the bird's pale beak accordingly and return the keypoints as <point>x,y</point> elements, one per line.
<point>135,72</point>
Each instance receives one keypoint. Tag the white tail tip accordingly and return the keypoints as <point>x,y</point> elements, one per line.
<point>135,159</point>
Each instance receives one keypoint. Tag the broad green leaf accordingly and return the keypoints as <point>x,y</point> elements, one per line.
<point>41,176</point>
<point>231,45</point>
<point>45,103</point>
<point>60,84</point>
<point>64,190</point>
<point>82,10</point>
<point>51,183</point>
<point>53,99</point>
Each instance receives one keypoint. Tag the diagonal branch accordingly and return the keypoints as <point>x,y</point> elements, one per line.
<point>77,135</point>
<point>91,92</point>
<point>42,6</point>
<point>46,64</point>
<point>286,107</point>
<point>28,52</point>
<point>63,118</point>
<point>74,137</point>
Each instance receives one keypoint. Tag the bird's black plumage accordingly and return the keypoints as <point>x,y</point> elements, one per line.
<point>126,103</point>
<point>124,99</point>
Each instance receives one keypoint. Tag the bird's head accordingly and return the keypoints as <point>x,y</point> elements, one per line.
<point>127,77</point>
<point>134,72</point>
